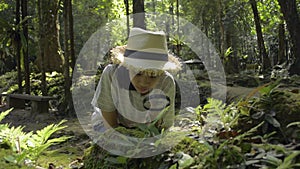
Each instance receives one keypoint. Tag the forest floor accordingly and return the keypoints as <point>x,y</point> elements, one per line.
<point>70,153</point>
<point>65,155</point>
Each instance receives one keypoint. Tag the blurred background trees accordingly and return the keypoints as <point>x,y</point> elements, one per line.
<point>45,36</point>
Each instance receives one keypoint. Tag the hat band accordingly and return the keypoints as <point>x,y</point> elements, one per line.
<point>145,55</point>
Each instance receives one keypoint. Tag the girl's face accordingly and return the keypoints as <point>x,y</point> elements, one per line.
<point>143,82</point>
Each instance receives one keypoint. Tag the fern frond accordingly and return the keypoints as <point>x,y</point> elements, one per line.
<point>5,113</point>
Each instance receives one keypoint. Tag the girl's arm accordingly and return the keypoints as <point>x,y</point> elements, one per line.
<point>110,119</point>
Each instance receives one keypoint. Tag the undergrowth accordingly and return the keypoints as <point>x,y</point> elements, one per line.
<point>25,149</point>
<point>256,132</point>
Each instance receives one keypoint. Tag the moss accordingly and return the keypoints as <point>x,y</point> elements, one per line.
<point>97,158</point>
<point>94,157</point>
<point>131,132</point>
<point>5,164</point>
<point>59,157</point>
<point>189,146</point>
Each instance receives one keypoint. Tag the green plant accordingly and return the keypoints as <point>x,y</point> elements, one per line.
<point>217,113</point>
<point>267,108</point>
<point>152,129</point>
<point>28,147</point>
<point>268,155</point>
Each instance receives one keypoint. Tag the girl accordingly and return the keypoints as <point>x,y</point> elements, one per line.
<point>137,86</point>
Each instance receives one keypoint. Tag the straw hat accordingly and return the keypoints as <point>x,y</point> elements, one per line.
<point>145,50</point>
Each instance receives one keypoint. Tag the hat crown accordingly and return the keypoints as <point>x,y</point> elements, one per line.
<point>147,41</point>
<point>145,50</point>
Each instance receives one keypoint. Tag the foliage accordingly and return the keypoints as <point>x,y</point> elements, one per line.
<point>28,147</point>
<point>273,156</point>
<point>55,82</point>
<point>275,107</point>
<point>97,13</point>
<point>225,136</point>
<point>215,111</point>
<point>153,128</point>
<point>8,82</point>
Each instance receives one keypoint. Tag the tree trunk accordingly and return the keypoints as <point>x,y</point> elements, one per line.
<point>67,15</point>
<point>139,14</point>
<point>281,44</point>
<point>266,63</point>
<point>66,53</point>
<point>178,45</point>
<point>127,16</point>
<point>53,59</point>
<point>25,48</point>
<point>291,16</point>
<point>41,55</point>
<point>71,30</point>
<point>17,40</point>
<point>221,27</point>
<point>73,58</point>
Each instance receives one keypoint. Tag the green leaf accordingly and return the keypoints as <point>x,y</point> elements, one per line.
<point>5,113</point>
<point>272,160</point>
<point>287,162</point>
<point>153,130</point>
<point>10,158</point>
<point>122,160</point>
<point>258,115</point>
<point>228,52</point>
<point>268,89</point>
<point>185,161</point>
<point>289,125</point>
<point>250,162</point>
<point>272,121</point>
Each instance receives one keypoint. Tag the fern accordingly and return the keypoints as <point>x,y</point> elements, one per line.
<point>4,114</point>
<point>3,127</point>
<point>28,146</point>
<point>217,111</point>
<point>40,141</point>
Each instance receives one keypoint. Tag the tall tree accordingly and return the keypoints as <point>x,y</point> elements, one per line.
<point>68,31</point>
<point>71,31</point>
<point>53,59</point>
<point>291,16</point>
<point>42,43</point>
<point>139,14</point>
<point>25,46</point>
<point>282,57</point>
<point>260,40</point>
<point>127,16</point>
<point>221,27</point>
<point>18,46</point>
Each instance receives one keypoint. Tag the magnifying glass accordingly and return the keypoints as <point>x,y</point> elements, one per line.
<point>156,102</point>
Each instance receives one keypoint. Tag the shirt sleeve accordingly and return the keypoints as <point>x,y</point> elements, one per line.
<point>170,89</point>
<point>105,100</point>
